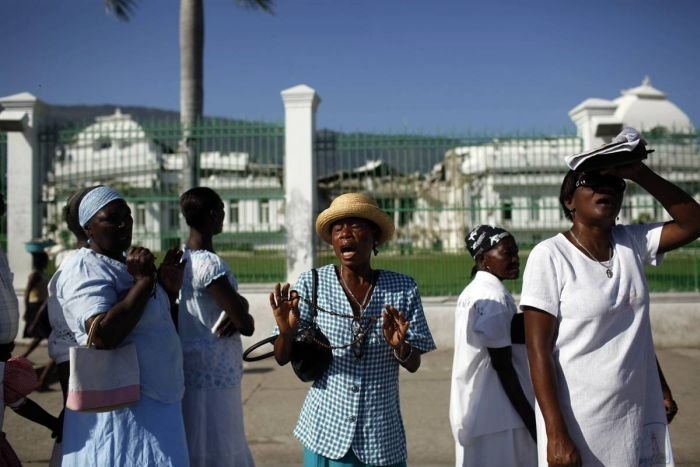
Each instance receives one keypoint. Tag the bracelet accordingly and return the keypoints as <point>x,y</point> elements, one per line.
<point>404,360</point>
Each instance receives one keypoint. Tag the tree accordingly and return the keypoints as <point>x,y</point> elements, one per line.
<point>191,66</point>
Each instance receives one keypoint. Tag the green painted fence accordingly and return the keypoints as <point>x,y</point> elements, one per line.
<point>3,188</point>
<point>436,187</point>
<point>145,160</point>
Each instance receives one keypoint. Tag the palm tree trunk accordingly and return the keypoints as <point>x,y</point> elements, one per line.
<point>191,83</point>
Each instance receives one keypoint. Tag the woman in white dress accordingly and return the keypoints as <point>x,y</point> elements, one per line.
<point>212,406</point>
<point>491,413</point>
<point>600,393</point>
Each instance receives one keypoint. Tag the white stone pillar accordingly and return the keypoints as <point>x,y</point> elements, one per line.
<point>300,184</point>
<point>595,122</point>
<point>19,117</point>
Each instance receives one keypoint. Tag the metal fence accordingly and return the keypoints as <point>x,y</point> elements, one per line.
<point>3,188</point>
<point>435,187</point>
<point>145,160</point>
<point>438,188</point>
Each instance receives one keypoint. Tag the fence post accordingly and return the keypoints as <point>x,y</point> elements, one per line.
<point>300,184</point>
<point>19,117</point>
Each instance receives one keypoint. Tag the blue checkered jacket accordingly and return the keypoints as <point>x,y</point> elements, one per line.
<point>356,402</point>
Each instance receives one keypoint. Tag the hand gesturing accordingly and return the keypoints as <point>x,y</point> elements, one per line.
<point>285,307</point>
<point>394,327</point>
<point>140,262</point>
<point>170,272</point>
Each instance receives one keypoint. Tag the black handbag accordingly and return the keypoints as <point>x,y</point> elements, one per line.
<point>311,350</point>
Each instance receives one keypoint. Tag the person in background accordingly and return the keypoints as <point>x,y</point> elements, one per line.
<point>600,392</point>
<point>491,400</point>
<point>374,320</point>
<point>210,307</point>
<point>9,313</point>
<point>134,301</point>
<point>35,294</point>
<point>19,381</point>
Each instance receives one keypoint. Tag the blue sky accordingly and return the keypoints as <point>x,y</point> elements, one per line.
<point>378,65</point>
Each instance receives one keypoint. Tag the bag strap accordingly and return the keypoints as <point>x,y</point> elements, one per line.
<point>314,292</point>
<point>271,339</point>
<point>93,327</point>
<point>252,348</point>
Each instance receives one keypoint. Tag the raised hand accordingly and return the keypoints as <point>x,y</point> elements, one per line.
<point>285,307</point>
<point>140,263</point>
<point>170,272</point>
<point>394,327</point>
<point>629,171</point>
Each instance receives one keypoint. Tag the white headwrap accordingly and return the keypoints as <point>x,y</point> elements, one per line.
<point>95,200</point>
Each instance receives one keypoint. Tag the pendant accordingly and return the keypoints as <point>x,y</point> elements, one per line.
<point>609,273</point>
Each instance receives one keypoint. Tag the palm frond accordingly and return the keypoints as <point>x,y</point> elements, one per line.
<point>264,5</point>
<point>122,9</point>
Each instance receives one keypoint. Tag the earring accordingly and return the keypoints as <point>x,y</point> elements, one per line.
<point>89,241</point>
<point>374,249</point>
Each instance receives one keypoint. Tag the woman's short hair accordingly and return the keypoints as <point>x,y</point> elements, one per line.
<point>566,192</point>
<point>197,203</point>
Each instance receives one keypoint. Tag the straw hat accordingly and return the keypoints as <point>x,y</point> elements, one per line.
<point>354,205</point>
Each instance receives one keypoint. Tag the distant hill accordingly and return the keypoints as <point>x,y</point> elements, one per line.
<point>62,114</point>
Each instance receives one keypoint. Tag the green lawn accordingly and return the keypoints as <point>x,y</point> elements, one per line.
<point>448,273</point>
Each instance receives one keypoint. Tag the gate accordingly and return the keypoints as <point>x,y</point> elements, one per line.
<point>144,160</point>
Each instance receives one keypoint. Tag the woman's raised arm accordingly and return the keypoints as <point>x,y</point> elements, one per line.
<point>121,319</point>
<point>684,210</point>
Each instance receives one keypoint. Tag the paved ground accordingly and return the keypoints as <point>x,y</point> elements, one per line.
<point>273,396</point>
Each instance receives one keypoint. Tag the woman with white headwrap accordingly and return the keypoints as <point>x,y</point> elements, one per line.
<point>101,280</point>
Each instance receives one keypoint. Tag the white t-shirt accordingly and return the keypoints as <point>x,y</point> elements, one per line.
<point>478,403</point>
<point>608,383</point>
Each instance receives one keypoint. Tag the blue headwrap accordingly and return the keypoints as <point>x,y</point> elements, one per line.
<point>484,237</point>
<point>95,200</point>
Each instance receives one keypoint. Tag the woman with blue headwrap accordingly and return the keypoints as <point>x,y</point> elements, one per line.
<point>125,290</point>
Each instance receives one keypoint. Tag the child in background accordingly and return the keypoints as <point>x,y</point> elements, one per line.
<point>34,300</point>
<point>212,407</point>
<point>491,399</point>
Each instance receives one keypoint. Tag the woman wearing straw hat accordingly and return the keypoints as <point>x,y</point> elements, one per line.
<point>351,415</point>
<point>125,291</point>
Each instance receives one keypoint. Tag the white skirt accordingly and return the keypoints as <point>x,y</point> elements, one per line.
<point>214,427</point>
<point>508,448</point>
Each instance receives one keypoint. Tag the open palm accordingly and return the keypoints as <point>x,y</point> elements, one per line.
<point>394,326</point>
